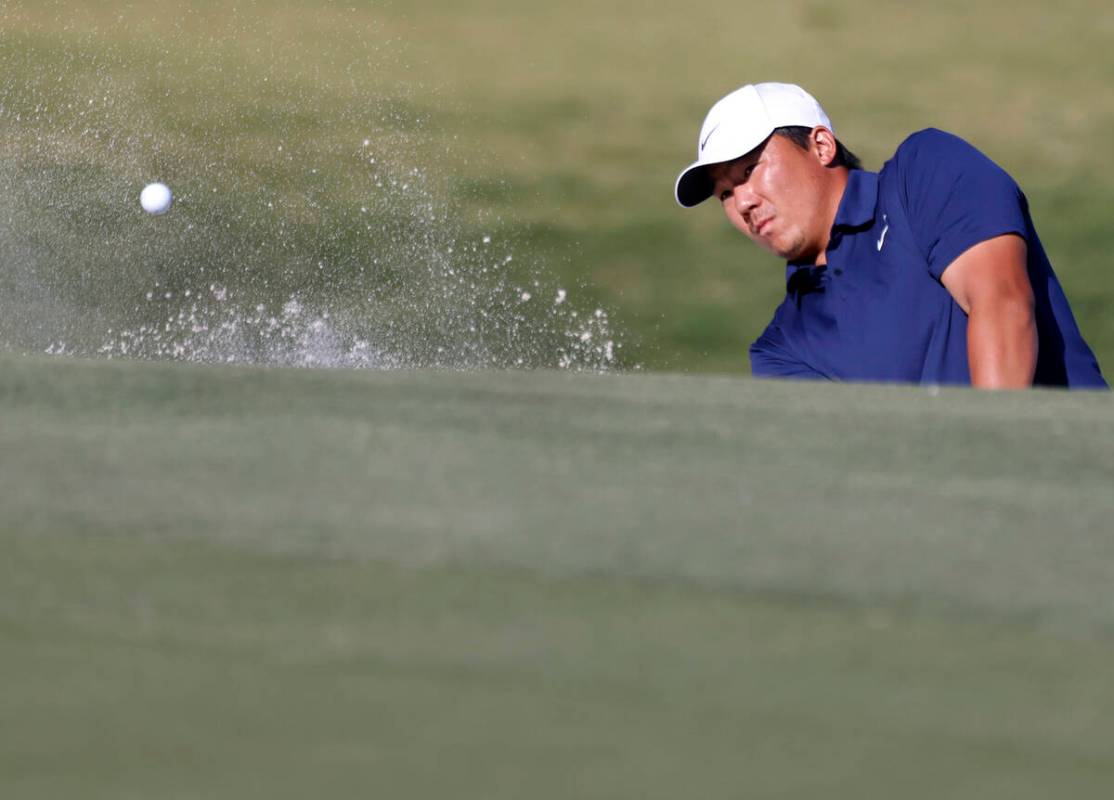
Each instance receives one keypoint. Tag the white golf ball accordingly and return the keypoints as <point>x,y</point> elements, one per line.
<point>156,198</point>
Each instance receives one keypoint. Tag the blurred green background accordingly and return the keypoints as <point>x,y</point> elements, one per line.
<point>554,129</point>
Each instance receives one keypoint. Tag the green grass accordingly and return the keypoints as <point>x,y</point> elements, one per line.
<point>231,582</point>
<point>557,128</point>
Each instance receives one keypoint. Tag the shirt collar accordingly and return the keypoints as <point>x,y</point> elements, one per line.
<point>859,200</point>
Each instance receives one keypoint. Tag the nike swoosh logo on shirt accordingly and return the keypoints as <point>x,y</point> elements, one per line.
<point>882,238</point>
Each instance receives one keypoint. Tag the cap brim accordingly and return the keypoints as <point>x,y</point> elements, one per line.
<point>694,186</point>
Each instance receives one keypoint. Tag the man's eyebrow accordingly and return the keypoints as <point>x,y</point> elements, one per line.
<point>727,168</point>
<point>748,158</point>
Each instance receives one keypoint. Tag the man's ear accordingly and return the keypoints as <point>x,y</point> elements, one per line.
<point>824,145</point>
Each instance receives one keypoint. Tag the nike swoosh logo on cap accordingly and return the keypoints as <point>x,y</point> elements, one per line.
<point>704,143</point>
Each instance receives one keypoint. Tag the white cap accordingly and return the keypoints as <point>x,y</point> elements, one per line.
<point>740,122</point>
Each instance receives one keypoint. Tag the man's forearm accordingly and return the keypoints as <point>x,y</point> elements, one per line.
<point>1002,345</point>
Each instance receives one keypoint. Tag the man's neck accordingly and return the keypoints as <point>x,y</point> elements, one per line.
<point>833,191</point>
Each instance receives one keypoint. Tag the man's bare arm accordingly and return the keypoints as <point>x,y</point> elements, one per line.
<point>990,282</point>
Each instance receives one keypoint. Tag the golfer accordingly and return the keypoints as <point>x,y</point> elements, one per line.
<point>929,271</point>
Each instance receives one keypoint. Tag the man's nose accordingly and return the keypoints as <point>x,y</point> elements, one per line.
<point>744,199</point>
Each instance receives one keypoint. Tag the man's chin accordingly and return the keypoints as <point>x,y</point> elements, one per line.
<point>792,251</point>
<point>787,253</point>
<point>786,250</point>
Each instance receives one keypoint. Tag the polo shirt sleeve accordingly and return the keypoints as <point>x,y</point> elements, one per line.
<point>955,197</point>
<point>771,358</point>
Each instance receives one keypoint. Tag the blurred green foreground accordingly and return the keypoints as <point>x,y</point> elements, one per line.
<point>233,582</point>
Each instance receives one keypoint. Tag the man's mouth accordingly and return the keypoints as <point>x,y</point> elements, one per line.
<point>761,225</point>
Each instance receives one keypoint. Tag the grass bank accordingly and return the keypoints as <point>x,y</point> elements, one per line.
<point>230,581</point>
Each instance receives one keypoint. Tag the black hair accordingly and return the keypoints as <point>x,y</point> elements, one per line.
<point>801,136</point>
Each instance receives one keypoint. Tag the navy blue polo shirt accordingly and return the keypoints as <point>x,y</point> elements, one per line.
<point>878,312</point>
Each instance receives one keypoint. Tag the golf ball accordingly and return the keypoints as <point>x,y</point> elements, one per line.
<point>156,198</point>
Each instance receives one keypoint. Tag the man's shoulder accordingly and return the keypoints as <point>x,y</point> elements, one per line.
<point>932,138</point>
<point>934,149</point>
<point>932,159</point>
<point>931,145</point>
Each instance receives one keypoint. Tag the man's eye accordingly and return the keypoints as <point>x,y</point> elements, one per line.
<point>724,195</point>
<point>748,170</point>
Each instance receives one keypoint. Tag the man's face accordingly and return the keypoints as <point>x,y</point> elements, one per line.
<point>775,195</point>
